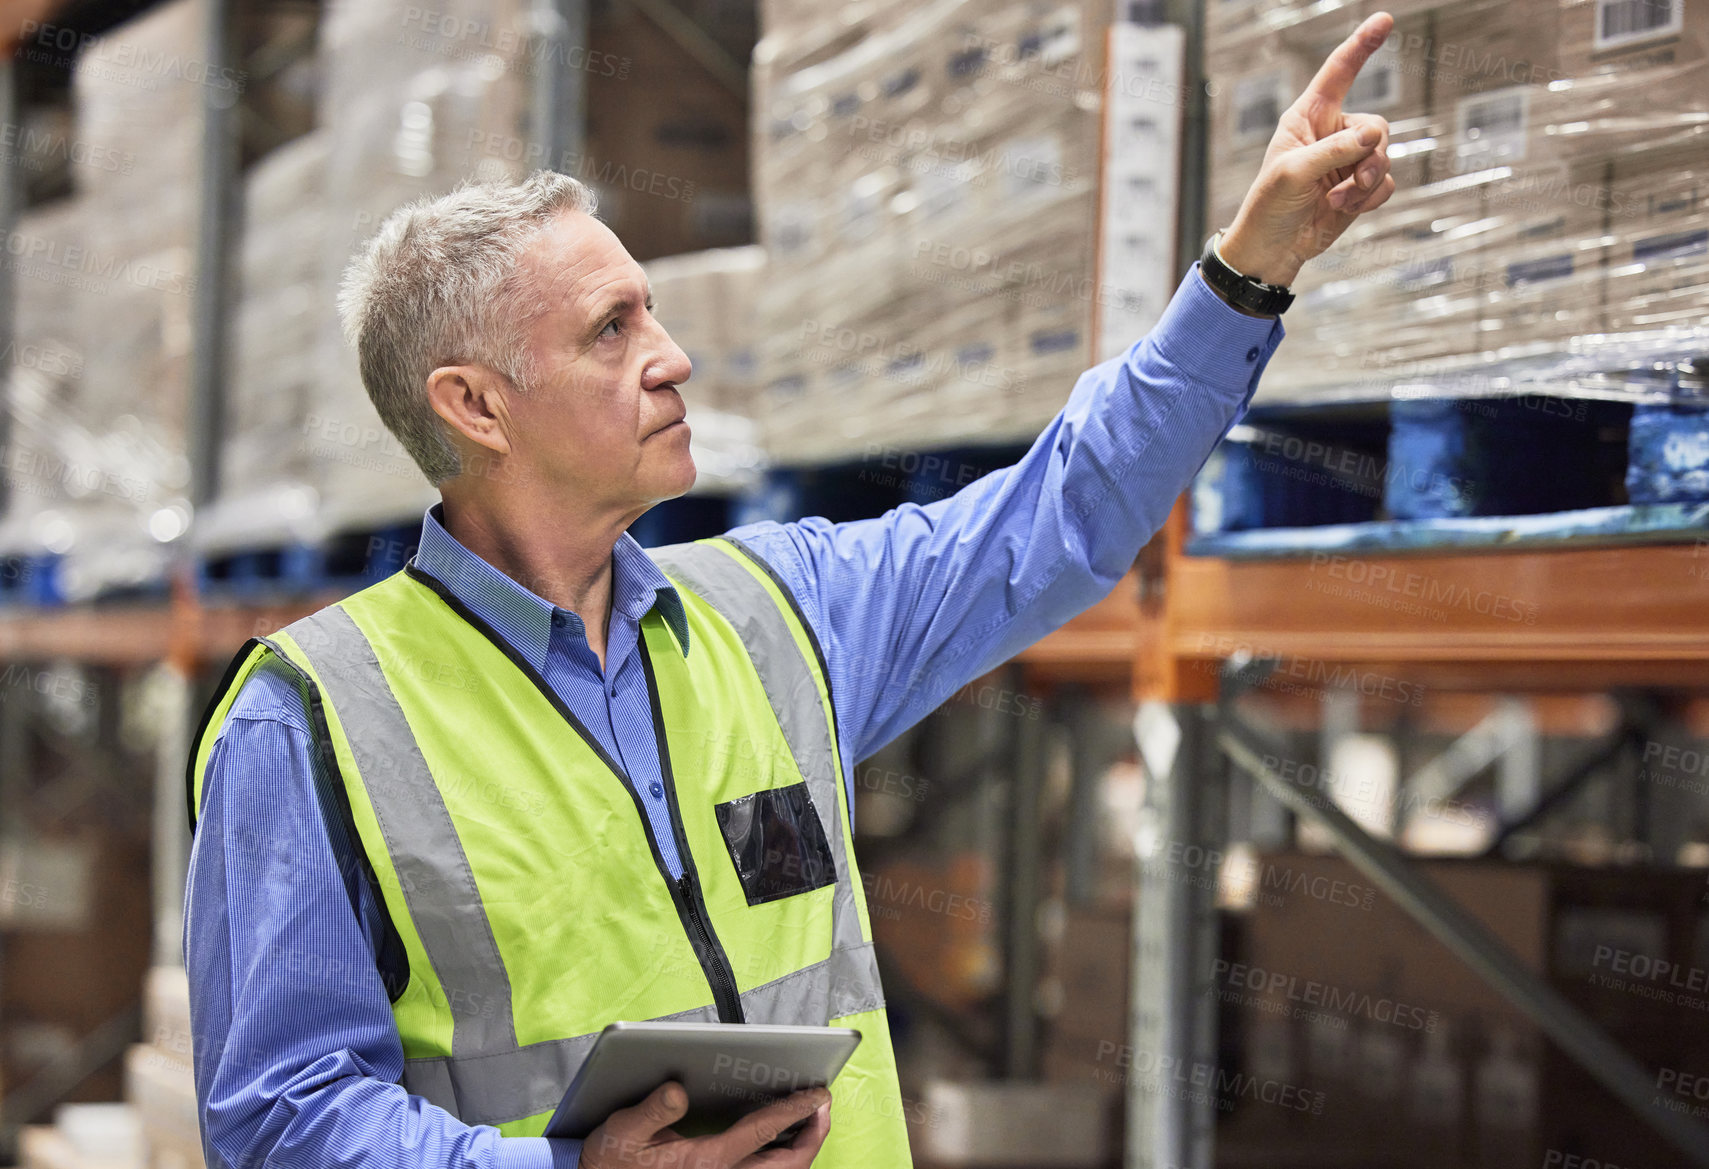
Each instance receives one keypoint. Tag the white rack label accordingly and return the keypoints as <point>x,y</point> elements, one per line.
<point>1490,128</point>
<point>1032,165</point>
<point>1625,22</point>
<point>1140,179</point>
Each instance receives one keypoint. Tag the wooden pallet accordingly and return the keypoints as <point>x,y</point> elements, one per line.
<point>1408,476</point>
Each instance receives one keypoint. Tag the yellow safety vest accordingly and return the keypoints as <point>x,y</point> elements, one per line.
<point>514,862</point>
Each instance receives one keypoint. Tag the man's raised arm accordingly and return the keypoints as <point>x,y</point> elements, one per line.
<point>914,604</point>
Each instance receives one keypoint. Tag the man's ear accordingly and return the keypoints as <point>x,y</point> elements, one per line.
<point>473,401</point>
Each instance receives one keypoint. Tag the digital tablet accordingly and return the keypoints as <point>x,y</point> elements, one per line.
<point>729,1070</point>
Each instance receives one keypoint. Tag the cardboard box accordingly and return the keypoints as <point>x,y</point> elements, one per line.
<point>1603,36</point>
<point>163,1092</point>
<point>1476,46</point>
<point>1660,270</point>
<point>1017,1124</point>
<point>166,1011</point>
<point>1401,1037</point>
<point>667,144</point>
<point>927,183</point>
<point>1390,298</point>
<point>1551,240</point>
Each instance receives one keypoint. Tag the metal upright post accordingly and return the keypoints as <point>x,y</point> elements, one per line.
<point>560,86</point>
<point>170,846</point>
<point>11,207</point>
<point>216,234</point>
<point>1172,1024</point>
<point>216,238</point>
<point>1022,888</point>
<point>1190,228</point>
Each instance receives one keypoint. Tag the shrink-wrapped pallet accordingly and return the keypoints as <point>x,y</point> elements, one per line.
<point>105,281</point>
<point>269,482</point>
<point>926,178</point>
<point>1550,227</point>
<point>414,95</point>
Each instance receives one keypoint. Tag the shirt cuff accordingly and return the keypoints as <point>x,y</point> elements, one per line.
<point>537,1153</point>
<point>1211,342</point>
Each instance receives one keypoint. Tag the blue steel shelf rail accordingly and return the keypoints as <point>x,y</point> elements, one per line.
<point>1603,440</point>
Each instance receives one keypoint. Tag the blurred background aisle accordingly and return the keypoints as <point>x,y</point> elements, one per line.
<point>1167,891</point>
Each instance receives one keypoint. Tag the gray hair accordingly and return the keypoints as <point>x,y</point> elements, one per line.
<point>437,286</point>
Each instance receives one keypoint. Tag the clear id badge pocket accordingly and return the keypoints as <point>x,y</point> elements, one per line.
<point>777,843</point>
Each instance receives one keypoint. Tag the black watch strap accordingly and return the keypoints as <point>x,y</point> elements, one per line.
<point>1243,292</point>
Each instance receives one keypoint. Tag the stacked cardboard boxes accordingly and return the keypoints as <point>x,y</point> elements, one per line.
<point>156,1126</point>
<point>927,185</point>
<point>104,284</point>
<point>414,100</point>
<point>667,143</point>
<point>268,482</point>
<point>159,1082</point>
<point>1549,163</point>
<point>1418,1060</point>
<point>85,1136</point>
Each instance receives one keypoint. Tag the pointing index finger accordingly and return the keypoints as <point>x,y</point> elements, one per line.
<point>1335,77</point>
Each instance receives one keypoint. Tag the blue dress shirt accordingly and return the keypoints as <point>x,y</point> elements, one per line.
<point>908,607</point>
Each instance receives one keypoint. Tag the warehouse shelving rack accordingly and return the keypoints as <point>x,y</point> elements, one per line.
<point>187,634</point>
<point>1186,635</point>
<point>1608,618</point>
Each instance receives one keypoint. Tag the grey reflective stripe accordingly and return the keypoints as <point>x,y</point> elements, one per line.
<point>496,1089</point>
<point>434,874</point>
<point>715,576</point>
<point>513,1085</point>
<point>844,984</point>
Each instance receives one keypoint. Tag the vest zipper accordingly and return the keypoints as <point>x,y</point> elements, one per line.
<point>718,975</point>
<point>696,920</point>
<point>685,893</point>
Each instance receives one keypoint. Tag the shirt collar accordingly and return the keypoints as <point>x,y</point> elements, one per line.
<point>524,618</point>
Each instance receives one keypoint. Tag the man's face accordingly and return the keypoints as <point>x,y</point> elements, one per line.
<point>604,420</point>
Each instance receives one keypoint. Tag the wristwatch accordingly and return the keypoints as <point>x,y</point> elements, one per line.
<point>1243,292</point>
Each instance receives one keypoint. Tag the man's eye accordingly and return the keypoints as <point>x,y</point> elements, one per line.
<point>612,328</point>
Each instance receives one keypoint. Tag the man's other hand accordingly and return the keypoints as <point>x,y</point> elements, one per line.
<point>1322,170</point>
<point>642,1135</point>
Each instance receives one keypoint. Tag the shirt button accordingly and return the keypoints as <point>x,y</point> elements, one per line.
<point>656,788</point>
<point>1252,353</point>
<point>558,620</point>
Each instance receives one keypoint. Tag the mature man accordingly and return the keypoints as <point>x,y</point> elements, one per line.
<point>543,780</point>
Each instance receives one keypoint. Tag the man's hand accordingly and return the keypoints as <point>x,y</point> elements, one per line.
<point>1322,170</point>
<point>642,1135</point>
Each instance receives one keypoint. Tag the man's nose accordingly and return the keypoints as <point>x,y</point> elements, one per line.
<point>671,365</point>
